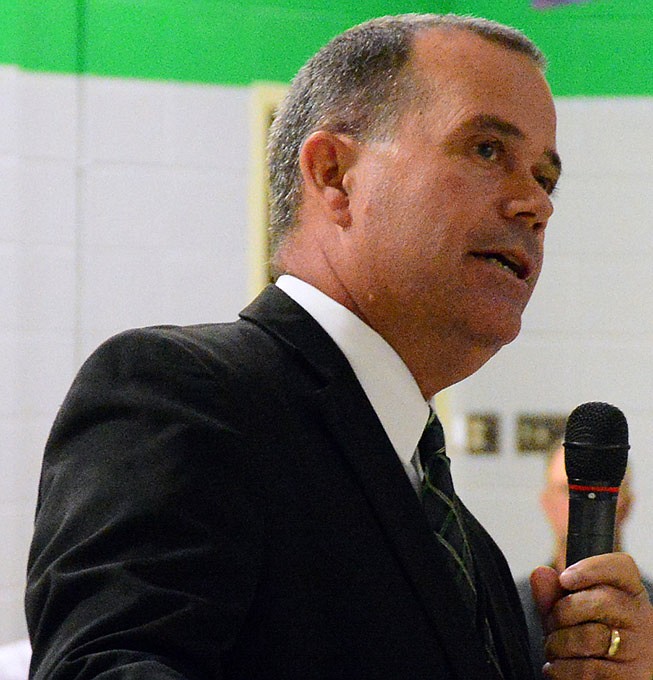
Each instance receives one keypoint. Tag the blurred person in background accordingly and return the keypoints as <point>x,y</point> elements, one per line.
<point>554,500</point>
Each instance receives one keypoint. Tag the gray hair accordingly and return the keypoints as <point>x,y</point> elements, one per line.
<point>358,85</point>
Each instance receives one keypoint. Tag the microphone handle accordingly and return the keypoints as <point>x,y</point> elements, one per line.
<point>592,511</point>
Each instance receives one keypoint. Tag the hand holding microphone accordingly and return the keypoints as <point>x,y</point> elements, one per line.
<point>596,615</point>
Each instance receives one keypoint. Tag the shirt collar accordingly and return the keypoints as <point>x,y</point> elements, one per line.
<point>384,377</point>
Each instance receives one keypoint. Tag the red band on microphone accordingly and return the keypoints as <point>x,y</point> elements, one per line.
<point>596,489</point>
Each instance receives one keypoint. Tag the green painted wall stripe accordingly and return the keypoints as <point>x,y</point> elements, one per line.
<point>39,34</point>
<point>599,47</point>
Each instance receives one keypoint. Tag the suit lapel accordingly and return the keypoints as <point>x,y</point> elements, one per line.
<point>401,518</point>
<point>504,608</point>
<point>370,455</point>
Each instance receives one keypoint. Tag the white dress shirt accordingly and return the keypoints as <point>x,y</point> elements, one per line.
<point>384,377</point>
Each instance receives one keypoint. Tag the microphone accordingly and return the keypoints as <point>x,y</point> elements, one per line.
<point>596,454</point>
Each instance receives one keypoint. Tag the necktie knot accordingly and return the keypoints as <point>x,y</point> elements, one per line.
<point>432,439</point>
<point>433,457</point>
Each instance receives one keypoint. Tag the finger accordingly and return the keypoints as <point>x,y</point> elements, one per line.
<point>546,589</point>
<point>587,640</point>
<point>599,604</point>
<point>614,569</point>
<point>579,669</point>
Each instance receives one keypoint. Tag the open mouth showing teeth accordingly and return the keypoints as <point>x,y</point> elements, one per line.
<point>505,263</point>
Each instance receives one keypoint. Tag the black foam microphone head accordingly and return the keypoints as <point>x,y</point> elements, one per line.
<point>596,443</point>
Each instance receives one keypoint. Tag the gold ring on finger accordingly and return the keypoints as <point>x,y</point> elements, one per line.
<point>615,643</point>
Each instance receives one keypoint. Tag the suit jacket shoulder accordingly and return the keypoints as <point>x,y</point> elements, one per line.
<point>220,501</point>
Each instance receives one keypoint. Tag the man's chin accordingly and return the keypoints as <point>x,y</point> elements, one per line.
<point>491,338</point>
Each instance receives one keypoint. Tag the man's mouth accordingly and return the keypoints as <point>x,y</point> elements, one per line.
<point>514,264</point>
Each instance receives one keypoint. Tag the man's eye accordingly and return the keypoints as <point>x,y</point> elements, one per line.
<point>547,184</point>
<point>488,150</point>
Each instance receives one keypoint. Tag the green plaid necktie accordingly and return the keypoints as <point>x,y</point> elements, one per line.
<point>442,509</point>
<point>443,512</point>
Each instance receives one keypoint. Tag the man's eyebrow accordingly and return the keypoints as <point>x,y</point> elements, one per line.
<point>488,123</point>
<point>555,161</point>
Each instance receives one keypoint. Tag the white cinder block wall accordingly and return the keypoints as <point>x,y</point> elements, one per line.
<point>38,124</point>
<point>124,203</point>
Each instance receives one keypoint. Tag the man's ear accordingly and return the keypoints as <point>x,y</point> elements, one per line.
<point>325,159</point>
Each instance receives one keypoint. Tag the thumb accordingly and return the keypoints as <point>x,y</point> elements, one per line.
<point>546,588</point>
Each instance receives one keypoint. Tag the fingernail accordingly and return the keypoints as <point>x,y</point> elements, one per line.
<point>569,577</point>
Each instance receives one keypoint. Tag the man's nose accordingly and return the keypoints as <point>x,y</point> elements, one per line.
<point>526,200</point>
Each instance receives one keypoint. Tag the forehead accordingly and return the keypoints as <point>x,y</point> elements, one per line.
<point>464,76</point>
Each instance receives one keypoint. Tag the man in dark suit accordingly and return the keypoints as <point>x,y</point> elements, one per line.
<point>239,501</point>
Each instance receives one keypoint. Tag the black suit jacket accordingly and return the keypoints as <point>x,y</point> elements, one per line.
<point>221,501</point>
